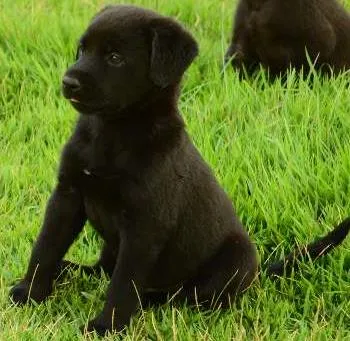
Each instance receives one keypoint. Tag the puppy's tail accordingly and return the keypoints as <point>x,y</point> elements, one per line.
<point>312,251</point>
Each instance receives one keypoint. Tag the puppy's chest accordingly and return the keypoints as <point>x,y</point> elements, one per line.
<point>110,188</point>
<point>106,170</point>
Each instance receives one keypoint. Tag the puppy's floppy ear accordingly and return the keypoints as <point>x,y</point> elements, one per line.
<point>173,50</point>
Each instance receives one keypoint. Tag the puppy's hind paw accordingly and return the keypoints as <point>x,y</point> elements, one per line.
<point>97,326</point>
<point>100,326</point>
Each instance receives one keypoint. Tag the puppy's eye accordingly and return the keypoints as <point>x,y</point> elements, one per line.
<point>115,59</point>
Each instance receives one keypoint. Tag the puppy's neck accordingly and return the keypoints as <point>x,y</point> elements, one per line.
<point>155,103</point>
<point>144,132</point>
<point>150,121</point>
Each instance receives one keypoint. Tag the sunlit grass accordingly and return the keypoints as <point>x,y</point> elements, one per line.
<point>282,152</point>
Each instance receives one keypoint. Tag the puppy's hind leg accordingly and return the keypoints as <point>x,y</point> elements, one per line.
<point>154,298</point>
<point>229,272</point>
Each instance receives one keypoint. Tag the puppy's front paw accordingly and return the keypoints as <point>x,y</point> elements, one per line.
<point>23,291</point>
<point>19,293</point>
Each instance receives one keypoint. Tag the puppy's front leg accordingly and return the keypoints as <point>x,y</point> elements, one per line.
<point>137,255</point>
<point>64,219</point>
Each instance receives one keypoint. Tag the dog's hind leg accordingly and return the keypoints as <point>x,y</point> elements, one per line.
<point>154,298</point>
<point>219,280</point>
<point>229,272</point>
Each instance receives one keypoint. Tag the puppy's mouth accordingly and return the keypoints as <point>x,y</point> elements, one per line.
<point>74,100</point>
<point>85,107</point>
<point>81,105</point>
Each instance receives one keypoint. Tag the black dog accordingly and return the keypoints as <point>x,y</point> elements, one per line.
<point>277,33</point>
<point>132,171</point>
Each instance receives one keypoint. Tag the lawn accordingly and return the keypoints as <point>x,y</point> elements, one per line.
<point>282,153</point>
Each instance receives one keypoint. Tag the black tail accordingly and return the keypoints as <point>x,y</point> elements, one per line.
<point>312,251</point>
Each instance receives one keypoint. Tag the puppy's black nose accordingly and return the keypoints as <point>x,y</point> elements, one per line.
<point>71,83</point>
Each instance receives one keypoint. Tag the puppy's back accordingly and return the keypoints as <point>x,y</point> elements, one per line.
<point>277,34</point>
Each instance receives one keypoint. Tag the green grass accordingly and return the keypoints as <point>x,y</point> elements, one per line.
<point>282,154</point>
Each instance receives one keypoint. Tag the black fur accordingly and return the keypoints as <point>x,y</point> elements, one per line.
<point>132,171</point>
<point>312,251</point>
<point>277,33</point>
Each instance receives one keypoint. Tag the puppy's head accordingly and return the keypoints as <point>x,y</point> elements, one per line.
<point>125,54</point>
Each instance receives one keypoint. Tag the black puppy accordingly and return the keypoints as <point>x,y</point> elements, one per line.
<point>132,171</point>
<point>277,33</point>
